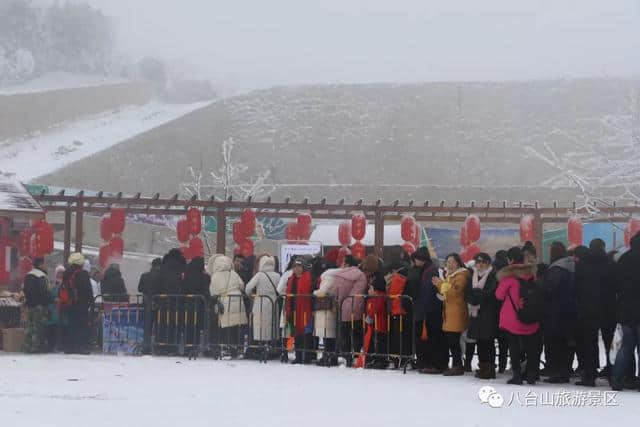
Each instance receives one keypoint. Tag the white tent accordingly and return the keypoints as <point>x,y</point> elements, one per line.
<point>328,235</point>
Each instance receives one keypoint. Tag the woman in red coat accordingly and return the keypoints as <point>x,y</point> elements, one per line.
<point>298,310</point>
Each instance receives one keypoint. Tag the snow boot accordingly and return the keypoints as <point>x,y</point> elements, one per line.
<point>517,378</point>
<point>455,371</point>
<point>487,371</point>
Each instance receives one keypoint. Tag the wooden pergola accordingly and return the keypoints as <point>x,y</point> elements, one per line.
<point>377,212</point>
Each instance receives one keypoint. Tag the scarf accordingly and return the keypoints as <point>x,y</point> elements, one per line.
<point>446,285</point>
<point>478,283</point>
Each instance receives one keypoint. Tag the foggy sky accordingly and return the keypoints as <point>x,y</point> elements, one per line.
<point>262,43</point>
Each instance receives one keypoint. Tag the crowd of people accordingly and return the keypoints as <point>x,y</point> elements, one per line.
<point>543,317</point>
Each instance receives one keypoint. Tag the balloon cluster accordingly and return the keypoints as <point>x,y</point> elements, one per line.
<point>187,231</point>
<point>469,236</point>
<point>111,228</point>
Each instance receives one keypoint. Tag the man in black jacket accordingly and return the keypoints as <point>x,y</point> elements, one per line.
<point>79,283</point>
<point>628,290</point>
<point>147,286</point>
<point>36,294</point>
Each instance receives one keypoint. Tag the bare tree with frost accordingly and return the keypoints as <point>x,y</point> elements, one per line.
<point>605,169</point>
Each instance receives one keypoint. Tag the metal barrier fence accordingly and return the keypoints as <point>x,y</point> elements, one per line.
<point>257,327</point>
<point>311,322</point>
<point>117,323</point>
<point>382,333</point>
<point>180,324</point>
<point>348,332</point>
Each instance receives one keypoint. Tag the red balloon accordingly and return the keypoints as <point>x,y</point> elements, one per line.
<point>104,255</point>
<point>182,231</point>
<point>196,247</point>
<point>118,220</point>
<point>358,226</point>
<point>342,253</point>
<point>248,216</point>
<point>304,226</point>
<point>358,250</point>
<point>186,252</point>
<point>464,239</point>
<point>574,232</point>
<point>472,225</point>
<point>238,235</point>
<point>627,236</point>
<point>526,229</point>
<point>194,217</point>
<point>416,241</point>
<point>469,252</point>
<point>117,247</point>
<point>25,242</point>
<point>408,228</point>
<point>634,227</point>
<point>247,228</point>
<point>344,233</point>
<point>409,247</point>
<point>106,228</point>
<point>291,231</point>
<point>43,238</point>
<point>246,248</point>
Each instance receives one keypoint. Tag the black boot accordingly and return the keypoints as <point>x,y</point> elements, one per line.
<point>517,378</point>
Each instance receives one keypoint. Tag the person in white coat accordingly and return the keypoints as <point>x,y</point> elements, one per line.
<point>325,317</point>
<point>228,287</point>
<point>264,283</point>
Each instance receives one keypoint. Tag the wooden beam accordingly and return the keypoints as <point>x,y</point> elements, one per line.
<point>79,223</point>
<point>379,233</point>
<point>221,236</point>
<point>67,235</point>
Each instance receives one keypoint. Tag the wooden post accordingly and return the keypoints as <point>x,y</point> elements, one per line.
<point>67,235</point>
<point>79,218</point>
<point>221,219</point>
<point>379,234</point>
<point>538,234</point>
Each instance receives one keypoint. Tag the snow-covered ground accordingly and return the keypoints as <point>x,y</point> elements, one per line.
<point>56,80</point>
<point>58,390</point>
<point>33,157</point>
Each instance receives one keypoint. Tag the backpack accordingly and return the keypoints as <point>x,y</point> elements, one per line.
<point>532,296</point>
<point>68,294</point>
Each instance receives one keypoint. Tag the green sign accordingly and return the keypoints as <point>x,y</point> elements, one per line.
<point>210,224</point>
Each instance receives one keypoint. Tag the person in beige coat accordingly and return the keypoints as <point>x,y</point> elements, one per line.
<point>228,287</point>
<point>264,283</point>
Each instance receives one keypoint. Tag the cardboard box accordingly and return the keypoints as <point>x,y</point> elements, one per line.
<point>12,339</point>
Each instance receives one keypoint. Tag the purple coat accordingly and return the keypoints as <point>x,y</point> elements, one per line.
<point>348,282</point>
<point>510,287</point>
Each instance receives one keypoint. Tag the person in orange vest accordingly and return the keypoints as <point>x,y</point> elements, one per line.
<point>376,321</point>
<point>298,310</point>
<point>401,323</point>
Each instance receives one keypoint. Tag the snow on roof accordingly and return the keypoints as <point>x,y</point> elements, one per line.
<point>15,198</point>
<point>328,235</point>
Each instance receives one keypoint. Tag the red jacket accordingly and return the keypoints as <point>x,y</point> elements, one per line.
<point>396,288</point>
<point>299,308</point>
<point>377,311</point>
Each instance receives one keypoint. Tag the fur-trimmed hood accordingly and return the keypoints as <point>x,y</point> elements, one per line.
<point>517,270</point>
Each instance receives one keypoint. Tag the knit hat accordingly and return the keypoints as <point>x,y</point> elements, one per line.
<point>371,264</point>
<point>76,259</point>
<point>421,254</point>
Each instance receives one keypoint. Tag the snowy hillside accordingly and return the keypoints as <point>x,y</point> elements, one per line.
<point>424,141</point>
<point>59,80</point>
<point>29,158</point>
